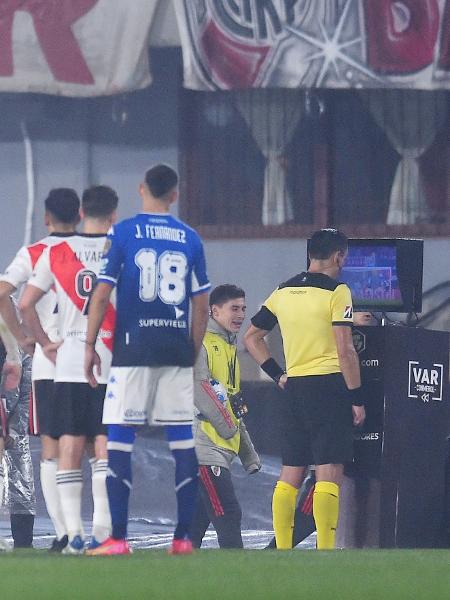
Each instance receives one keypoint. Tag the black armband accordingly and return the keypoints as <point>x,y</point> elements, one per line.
<point>356,396</point>
<point>272,369</point>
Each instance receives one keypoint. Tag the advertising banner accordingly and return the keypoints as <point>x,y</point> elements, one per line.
<point>74,48</point>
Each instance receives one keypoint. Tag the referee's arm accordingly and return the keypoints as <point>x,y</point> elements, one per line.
<point>256,345</point>
<point>349,364</point>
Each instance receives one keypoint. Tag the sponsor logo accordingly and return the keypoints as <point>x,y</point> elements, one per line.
<point>370,362</point>
<point>104,265</point>
<point>367,437</point>
<point>359,340</point>
<point>107,246</point>
<point>348,312</point>
<point>178,313</point>
<point>132,414</point>
<point>425,382</point>
<point>215,471</point>
<point>163,323</point>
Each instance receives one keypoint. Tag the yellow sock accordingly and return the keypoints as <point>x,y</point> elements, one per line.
<point>283,510</point>
<point>326,512</point>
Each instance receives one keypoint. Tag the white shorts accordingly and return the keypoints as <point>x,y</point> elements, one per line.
<point>156,395</point>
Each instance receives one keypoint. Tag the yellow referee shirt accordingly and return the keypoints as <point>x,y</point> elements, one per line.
<point>306,307</point>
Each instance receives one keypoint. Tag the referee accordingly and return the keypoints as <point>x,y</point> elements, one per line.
<point>323,400</point>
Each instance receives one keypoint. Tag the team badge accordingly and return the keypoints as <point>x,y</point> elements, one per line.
<point>359,340</point>
<point>348,312</point>
<point>107,246</point>
<point>215,471</point>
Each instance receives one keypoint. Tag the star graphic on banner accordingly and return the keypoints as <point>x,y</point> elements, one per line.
<point>331,49</point>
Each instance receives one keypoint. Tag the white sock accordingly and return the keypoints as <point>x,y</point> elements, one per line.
<point>70,485</point>
<point>101,520</point>
<point>51,495</point>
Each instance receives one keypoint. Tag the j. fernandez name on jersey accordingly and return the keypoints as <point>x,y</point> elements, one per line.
<point>160,232</point>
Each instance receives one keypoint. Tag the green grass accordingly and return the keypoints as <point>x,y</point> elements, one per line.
<point>234,575</point>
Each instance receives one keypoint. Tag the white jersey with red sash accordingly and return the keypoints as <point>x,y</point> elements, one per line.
<point>17,274</point>
<point>72,268</point>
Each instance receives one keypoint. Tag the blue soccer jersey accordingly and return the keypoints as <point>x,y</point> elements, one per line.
<point>157,263</point>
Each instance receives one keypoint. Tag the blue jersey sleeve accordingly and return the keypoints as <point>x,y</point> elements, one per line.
<point>112,258</point>
<point>200,282</point>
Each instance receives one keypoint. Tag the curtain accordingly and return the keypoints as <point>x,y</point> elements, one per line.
<point>411,120</point>
<point>272,116</point>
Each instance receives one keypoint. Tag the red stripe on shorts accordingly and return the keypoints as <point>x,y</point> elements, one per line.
<point>307,505</point>
<point>212,493</point>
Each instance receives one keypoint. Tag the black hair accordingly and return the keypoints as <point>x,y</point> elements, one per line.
<point>160,180</point>
<point>99,201</point>
<point>326,242</point>
<point>223,293</point>
<point>63,205</point>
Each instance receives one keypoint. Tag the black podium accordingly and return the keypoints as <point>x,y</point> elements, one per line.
<point>395,495</point>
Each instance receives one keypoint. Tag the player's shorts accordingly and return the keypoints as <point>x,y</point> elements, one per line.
<point>316,421</point>
<point>42,406</point>
<point>156,395</point>
<point>78,410</point>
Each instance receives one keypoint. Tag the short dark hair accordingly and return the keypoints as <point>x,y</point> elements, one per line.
<point>223,293</point>
<point>326,242</point>
<point>160,180</point>
<point>99,201</point>
<point>63,205</point>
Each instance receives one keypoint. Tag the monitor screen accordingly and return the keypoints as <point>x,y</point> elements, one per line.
<point>384,274</point>
<point>371,274</point>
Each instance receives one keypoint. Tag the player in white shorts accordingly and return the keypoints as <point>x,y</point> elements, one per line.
<point>158,265</point>
<point>72,268</point>
<point>62,207</point>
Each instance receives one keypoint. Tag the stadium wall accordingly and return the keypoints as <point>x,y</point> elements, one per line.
<point>112,140</point>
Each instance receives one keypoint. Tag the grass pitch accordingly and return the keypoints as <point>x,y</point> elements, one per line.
<point>234,575</point>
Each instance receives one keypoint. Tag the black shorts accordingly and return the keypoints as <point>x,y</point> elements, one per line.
<point>42,407</point>
<point>316,421</point>
<point>78,410</point>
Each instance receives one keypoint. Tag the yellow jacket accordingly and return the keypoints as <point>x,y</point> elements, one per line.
<point>223,366</point>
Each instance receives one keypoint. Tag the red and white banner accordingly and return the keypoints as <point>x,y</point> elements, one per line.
<point>74,47</point>
<point>230,44</point>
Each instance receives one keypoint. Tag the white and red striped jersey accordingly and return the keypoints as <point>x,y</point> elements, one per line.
<point>17,274</point>
<point>72,268</point>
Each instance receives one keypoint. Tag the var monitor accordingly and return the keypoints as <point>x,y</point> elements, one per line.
<point>385,274</point>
